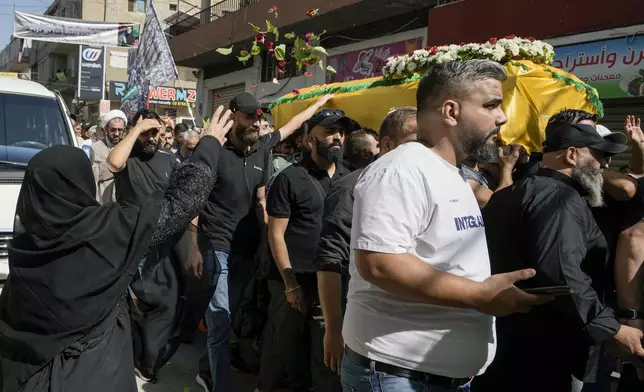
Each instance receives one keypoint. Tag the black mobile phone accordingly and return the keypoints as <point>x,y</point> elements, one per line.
<point>552,290</point>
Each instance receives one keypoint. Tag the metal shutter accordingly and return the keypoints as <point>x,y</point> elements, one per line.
<point>222,96</point>
<point>615,112</point>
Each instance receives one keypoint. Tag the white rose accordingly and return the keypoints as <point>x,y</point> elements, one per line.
<point>514,48</point>
<point>400,68</point>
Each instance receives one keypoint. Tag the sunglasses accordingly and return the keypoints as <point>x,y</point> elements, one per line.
<point>324,113</point>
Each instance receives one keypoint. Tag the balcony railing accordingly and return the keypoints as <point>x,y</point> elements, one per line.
<point>219,10</point>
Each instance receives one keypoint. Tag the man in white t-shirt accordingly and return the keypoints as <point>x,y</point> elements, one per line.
<point>421,299</point>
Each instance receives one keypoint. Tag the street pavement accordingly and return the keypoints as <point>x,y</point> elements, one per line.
<point>179,374</point>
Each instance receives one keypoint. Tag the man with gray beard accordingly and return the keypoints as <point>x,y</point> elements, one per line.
<point>544,222</point>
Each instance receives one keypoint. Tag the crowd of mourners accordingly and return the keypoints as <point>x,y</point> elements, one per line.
<point>429,255</point>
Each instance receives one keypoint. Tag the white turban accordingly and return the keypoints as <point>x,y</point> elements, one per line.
<point>112,115</point>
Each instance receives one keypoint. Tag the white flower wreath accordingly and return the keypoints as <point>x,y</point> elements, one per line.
<point>499,50</point>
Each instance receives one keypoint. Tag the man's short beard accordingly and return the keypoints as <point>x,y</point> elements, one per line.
<point>247,135</point>
<point>592,181</point>
<point>479,148</point>
<point>114,139</point>
<point>147,147</point>
<point>486,153</point>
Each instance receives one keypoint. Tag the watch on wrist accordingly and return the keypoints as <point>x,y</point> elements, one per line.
<point>630,314</point>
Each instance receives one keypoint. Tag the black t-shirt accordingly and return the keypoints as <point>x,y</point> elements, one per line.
<point>294,195</point>
<point>229,218</point>
<point>143,176</point>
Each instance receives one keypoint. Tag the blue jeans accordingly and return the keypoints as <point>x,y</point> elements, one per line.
<point>230,275</point>
<point>356,378</point>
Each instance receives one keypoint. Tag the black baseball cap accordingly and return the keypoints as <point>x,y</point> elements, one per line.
<point>328,117</point>
<point>247,104</point>
<point>560,136</point>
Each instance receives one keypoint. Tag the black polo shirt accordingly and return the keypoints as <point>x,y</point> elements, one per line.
<point>294,195</point>
<point>229,218</point>
<point>143,176</point>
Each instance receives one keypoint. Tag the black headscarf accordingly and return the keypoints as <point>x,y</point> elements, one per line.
<point>70,260</point>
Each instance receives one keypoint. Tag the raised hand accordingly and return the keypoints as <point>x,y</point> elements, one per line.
<point>219,124</point>
<point>324,99</point>
<point>632,126</point>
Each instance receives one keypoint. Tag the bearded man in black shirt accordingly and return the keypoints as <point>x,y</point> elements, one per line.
<point>544,222</point>
<point>140,169</point>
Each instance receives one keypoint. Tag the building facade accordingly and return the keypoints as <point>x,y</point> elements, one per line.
<point>56,65</point>
<point>358,33</point>
<point>359,36</point>
<point>600,42</point>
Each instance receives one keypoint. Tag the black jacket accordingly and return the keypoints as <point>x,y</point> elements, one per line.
<point>543,222</point>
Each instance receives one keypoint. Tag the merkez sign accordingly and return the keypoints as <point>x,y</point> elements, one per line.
<point>91,73</point>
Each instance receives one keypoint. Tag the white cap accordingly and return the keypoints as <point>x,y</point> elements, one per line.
<point>112,115</point>
<point>614,137</point>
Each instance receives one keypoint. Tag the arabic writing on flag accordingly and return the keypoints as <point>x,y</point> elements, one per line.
<point>152,67</point>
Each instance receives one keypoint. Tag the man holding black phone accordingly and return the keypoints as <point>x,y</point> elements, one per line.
<point>544,222</point>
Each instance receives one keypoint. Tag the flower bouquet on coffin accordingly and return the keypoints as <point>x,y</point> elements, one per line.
<point>533,91</point>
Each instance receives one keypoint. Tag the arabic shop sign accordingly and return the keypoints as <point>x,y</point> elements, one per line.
<point>166,96</point>
<point>614,67</point>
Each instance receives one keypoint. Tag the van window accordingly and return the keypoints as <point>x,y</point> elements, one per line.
<point>29,124</point>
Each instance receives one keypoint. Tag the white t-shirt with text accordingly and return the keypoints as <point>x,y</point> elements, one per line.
<point>412,201</point>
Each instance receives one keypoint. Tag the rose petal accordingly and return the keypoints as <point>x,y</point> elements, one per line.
<point>252,86</point>
<point>276,81</point>
<point>308,74</point>
<point>296,92</point>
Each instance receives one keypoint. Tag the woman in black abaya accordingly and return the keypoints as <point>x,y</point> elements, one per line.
<point>64,322</point>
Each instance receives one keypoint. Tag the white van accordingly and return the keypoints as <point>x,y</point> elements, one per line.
<point>32,118</point>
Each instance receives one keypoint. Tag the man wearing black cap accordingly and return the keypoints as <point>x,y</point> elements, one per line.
<point>294,334</point>
<point>231,222</point>
<point>544,222</point>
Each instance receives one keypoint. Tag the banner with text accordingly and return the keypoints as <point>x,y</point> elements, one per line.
<point>165,96</point>
<point>614,67</point>
<point>368,63</point>
<point>75,31</point>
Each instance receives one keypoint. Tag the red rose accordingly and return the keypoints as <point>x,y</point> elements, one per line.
<point>217,96</point>
<point>309,13</point>
<point>511,36</point>
<point>308,74</point>
<point>463,44</point>
<point>296,92</point>
<point>258,112</point>
<point>281,64</point>
<point>280,72</point>
<point>304,62</point>
<point>259,38</point>
<point>493,40</point>
<point>274,9</point>
<point>252,86</point>
<point>244,49</point>
<point>270,45</point>
<point>308,36</point>
<point>531,39</point>
<point>433,50</point>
